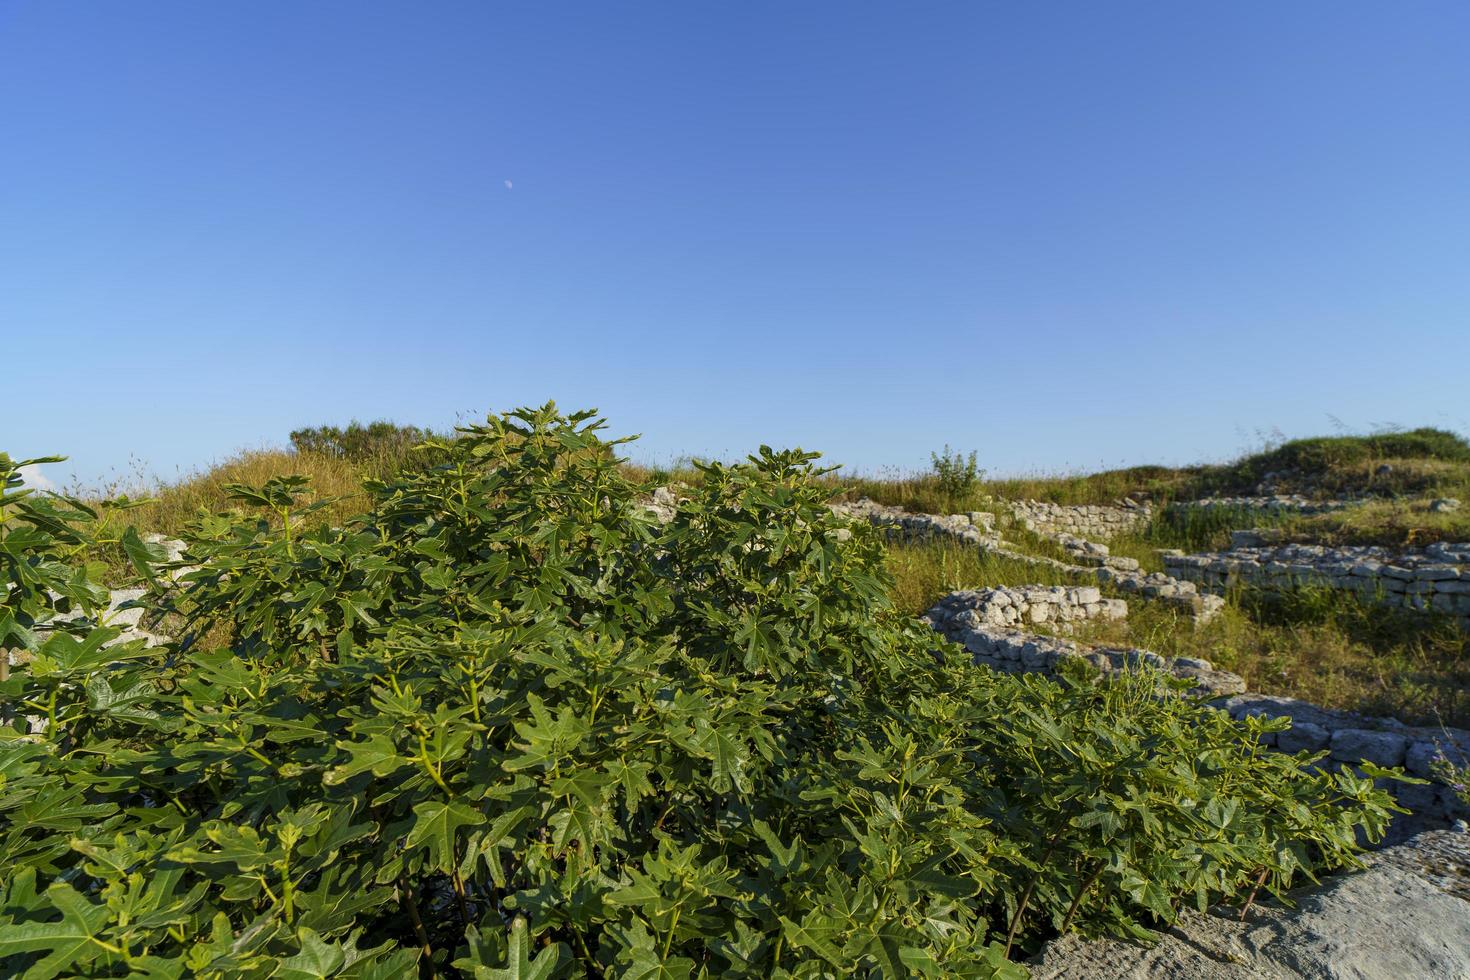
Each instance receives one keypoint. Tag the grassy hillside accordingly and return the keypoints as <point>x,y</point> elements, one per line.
<point>1424,462</point>
<point>1324,648</point>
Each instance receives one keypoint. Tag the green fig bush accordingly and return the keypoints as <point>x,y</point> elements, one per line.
<point>506,725</point>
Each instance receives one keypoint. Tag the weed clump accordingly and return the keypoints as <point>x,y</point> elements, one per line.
<point>955,473</point>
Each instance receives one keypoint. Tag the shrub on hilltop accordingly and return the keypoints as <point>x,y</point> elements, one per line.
<point>505,725</point>
<point>358,442</point>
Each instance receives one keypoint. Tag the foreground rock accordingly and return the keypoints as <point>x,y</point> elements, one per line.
<point>1407,917</point>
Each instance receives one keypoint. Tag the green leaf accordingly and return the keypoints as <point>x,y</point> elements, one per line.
<point>69,944</point>
<point>730,758</point>
<point>316,959</point>
<point>519,965</point>
<point>815,934</point>
<point>436,829</point>
<point>143,555</point>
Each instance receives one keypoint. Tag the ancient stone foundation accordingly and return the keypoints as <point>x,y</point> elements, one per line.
<point>1003,606</point>
<point>976,527</point>
<point>983,620</point>
<point>1083,520</point>
<point>1273,505</point>
<point>1434,578</point>
<point>1092,559</point>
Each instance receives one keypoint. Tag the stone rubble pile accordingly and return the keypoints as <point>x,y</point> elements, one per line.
<point>121,609</point>
<point>1203,606</point>
<point>1433,578</point>
<point>663,505</point>
<point>124,610</point>
<point>1003,606</point>
<point>1093,554</point>
<point>1082,520</point>
<point>974,619</point>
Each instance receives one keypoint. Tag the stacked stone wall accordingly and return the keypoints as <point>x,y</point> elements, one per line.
<point>981,621</point>
<point>975,527</point>
<point>1274,504</point>
<point>1058,606</point>
<point>1434,578</point>
<point>1084,520</point>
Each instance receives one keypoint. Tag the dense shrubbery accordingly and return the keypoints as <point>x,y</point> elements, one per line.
<point>381,440</point>
<point>506,726</point>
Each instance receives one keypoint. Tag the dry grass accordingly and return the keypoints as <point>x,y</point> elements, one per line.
<point>1391,523</point>
<point>1406,477</point>
<point>923,573</point>
<point>175,505</point>
<point>1322,646</point>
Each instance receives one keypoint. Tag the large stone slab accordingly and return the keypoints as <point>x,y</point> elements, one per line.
<point>1406,917</point>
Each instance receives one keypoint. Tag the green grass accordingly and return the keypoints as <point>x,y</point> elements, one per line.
<point>1106,487</point>
<point>1194,529</point>
<point>924,572</point>
<point>1392,523</point>
<point>1325,452</point>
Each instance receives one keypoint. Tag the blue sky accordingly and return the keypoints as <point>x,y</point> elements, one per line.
<point>1068,235</point>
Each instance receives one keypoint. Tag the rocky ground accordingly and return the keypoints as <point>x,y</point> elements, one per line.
<point>1406,917</point>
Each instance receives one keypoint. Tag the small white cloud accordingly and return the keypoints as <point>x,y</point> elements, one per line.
<point>507,185</point>
<point>35,479</point>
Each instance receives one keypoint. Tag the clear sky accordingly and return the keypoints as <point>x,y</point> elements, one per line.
<point>1067,235</point>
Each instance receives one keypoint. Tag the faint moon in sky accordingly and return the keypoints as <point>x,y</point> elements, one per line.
<point>507,185</point>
